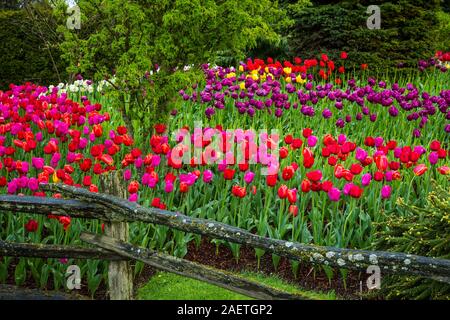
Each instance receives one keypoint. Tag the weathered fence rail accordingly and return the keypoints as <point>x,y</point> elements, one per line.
<point>84,204</point>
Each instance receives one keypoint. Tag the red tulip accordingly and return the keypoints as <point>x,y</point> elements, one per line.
<point>381,162</point>
<point>31,225</point>
<point>65,221</point>
<point>283,191</point>
<point>87,181</point>
<point>296,143</point>
<point>283,152</point>
<point>378,176</point>
<point>305,186</point>
<point>288,139</point>
<point>184,187</point>
<point>238,191</point>
<point>160,128</point>
<point>356,168</point>
<point>228,174</point>
<point>339,171</point>
<point>435,145</point>
<point>271,180</point>
<point>293,209</point>
<point>355,191</point>
<point>133,187</point>
<point>332,161</point>
<point>327,185</point>
<point>307,132</point>
<point>121,130</point>
<point>288,173</point>
<point>444,170</point>
<point>292,195</point>
<point>414,156</point>
<point>314,176</point>
<point>420,169</point>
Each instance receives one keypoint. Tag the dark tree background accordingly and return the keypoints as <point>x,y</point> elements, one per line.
<point>30,44</point>
<point>408,31</point>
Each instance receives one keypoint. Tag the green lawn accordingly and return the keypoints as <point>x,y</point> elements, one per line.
<point>168,286</point>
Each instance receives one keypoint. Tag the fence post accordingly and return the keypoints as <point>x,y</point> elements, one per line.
<point>120,274</point>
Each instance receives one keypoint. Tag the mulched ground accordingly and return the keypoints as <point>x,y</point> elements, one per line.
<point>308,277</point>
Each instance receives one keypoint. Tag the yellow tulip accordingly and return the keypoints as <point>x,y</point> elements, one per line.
<point>231,75</point>
<point>287,70</point>
<point>241,68</point>
<point>55,178</point>
<point>288,79</point>
<point>299,79</point>
<point>242,85</point>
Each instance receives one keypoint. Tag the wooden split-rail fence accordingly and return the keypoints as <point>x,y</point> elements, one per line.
<point>113,246</point>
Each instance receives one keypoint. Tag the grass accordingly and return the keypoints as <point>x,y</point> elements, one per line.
<point>168,286</point>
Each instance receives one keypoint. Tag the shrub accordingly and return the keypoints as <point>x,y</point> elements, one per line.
<point>426,232</point>
<point>25,57</point>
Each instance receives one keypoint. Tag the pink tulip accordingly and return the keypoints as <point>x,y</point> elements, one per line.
<point>361,154</point>
<point>312,141</point>
<point>33,184</point>
<point>12,187</point>
<point>389,175</point>
<point>341,139</point>
<point>168,187</point>
<point>334,194</point>
<point>127,174</point>
<point>138,162</point>
<point>365,179</point>
<point>83,143</point>
<point>38,136</point>
<point>378,141</point>
<point>156,160</point>
<point>248,177</point>
<point>188,178</point>
<point>386,192</point>
<point>37,163</point>
<point>207,176</point>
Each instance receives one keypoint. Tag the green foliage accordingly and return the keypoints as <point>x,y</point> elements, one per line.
<point>128,38</point>
<point>168,286</point>
<point>408,31</point>
<point>26,55</point>
<point>444,30</point>
<point>425,232</point>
